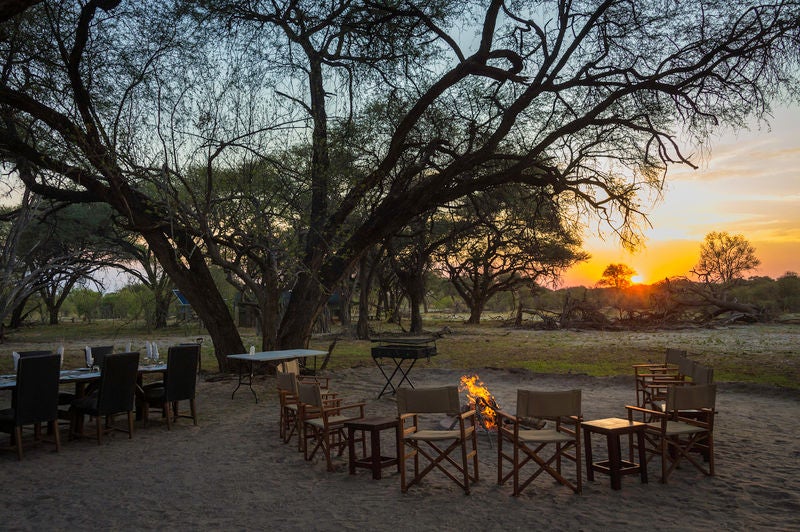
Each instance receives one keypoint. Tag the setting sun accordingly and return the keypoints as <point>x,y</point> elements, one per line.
<point>637,279</point>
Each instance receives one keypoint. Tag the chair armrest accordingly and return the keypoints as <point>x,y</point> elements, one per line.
<point>632,408</point>
<point>323,382</point>
<point>337,410</point>
<point>467,414</point>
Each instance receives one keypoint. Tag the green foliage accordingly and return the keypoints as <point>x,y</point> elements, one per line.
<point>788,292</point>
<point>86,302</point>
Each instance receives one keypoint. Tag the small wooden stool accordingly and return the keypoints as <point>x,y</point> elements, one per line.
<point>376,461</point>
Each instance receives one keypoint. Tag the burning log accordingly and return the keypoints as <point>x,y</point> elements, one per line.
<point>479,398</point>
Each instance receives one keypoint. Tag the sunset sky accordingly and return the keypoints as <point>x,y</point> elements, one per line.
<point>748,184</point>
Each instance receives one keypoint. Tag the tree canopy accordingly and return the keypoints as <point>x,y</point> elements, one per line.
<point>155,107</point>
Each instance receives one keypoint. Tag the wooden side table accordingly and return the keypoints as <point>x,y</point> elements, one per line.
<point>615,466</point>
<point>375,461</point>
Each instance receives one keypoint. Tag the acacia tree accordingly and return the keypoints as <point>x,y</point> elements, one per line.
<point>725,258</point>
<point>584,100</point>
<point>617,276</point>
<point>23,270</point>
<point>517,238</point>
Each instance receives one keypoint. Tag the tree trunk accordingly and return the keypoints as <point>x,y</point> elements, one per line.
<point>301,313</point>
<point>53,313</point>
<point>161,310</point>
<point>195,281</point>
<point>416,293</point>
<point>365,276</point>
<point>475,311</point>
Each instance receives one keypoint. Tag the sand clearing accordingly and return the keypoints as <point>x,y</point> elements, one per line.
<point>232,472</point>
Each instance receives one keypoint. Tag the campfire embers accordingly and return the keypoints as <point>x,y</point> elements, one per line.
<point>481,400</point>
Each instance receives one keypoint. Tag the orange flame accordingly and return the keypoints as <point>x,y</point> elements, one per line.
<point>481,399</point>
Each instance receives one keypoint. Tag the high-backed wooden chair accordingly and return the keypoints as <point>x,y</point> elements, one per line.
<point>180,384</point>
<point>34,400</point>
<point>518,445</point>
<point>323,422</point>
<point>98,353</point>
<point>684,428</point>
<point>114,395</point>
<point>437,446</point>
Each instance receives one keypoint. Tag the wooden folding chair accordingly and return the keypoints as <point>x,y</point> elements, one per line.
<point>434,444</point>
<point>323,422</point>
<point>562,441</point>
<point>685,428</point>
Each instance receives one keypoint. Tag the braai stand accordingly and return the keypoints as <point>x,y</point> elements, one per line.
<point>401,351</point>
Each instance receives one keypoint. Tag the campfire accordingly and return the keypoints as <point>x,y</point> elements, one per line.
<point>481,400</point>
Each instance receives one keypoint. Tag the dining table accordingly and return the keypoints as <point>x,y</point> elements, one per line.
<point>82,377</point>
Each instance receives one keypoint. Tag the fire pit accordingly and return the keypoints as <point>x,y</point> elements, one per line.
<point>482,401</point>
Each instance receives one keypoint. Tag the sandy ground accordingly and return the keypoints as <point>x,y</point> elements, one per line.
<point>232,473</point>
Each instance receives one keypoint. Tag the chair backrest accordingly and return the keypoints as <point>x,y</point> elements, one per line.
<point>289,366</point>
<point>286,382</point>
<point>180,382</point>
<point>443,399</point>
<point>117,383</point>
<point>99,353</point>
<point>674,356</point>
<point>36,396</point>
<point>691,397</point>
<point>19,354</point>
<point>34,353</point>
<point>308,393</point>
<point>702,374</point>
<point>534,404</point>
<point>686,366</point>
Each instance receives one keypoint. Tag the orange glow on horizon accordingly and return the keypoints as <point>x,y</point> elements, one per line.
<point>656,262</point>
<point>673,258</point>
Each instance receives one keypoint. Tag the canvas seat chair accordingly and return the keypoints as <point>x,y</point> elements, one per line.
<point>289,404</point>
<point>684,431</point>
<point>647,373</point>
<point>323,423</point>
<point>449,451</point>
<point>544,449</point>
<point>293,366</point>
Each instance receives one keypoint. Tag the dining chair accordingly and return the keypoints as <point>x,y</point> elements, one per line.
<point>179,384</point>
<point>98,353</point>
<point>34,400</point>
<point>114,395</point>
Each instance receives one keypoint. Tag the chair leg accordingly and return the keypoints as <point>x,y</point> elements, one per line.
<point>18,438</point>
<point>168,414</point>
<point>56,435</point>
<point>130,424</point>
<point>99,428</point>
<point>193,410</point>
